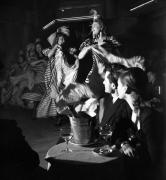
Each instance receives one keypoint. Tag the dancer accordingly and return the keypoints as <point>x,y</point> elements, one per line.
<point>103,49</point>
<point>59,73</point>
<point>38,67</point>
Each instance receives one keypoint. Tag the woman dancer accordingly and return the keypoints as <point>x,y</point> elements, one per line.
<point>59,73</point>
<point>103,49</point>
<point>38,67</point>
<point>90,49</point>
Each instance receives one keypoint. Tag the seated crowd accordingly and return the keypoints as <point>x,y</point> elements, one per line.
<point>23,80</point>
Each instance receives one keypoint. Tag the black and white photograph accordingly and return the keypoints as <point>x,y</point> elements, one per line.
<point>83,89</point>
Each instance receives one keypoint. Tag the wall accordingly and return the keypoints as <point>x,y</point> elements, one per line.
<point>16,27</point>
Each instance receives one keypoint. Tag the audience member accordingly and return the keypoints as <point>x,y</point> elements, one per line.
<point>145,138</point>
<point>114,113</point>
<point>19,160</point>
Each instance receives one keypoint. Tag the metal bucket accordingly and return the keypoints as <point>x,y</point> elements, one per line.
<point>82,130</point>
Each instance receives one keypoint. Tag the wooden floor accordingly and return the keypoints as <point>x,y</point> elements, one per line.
<point>41,134</point>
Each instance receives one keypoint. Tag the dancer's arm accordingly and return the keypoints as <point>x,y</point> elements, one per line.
<point>83,52</point>
<point>52,51</point>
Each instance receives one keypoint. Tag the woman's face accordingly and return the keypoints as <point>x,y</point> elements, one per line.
<point>121,89</point>
<point>38,48</point>
<point>61,40</point>
<point>32,53</point>
<point>96,28</point>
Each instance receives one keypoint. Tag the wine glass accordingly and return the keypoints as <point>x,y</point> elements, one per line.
<point>105,133</point>
<point>67,135</point>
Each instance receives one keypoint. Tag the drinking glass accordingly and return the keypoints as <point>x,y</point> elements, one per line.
<point>67,135</point>
<point>105,134</point>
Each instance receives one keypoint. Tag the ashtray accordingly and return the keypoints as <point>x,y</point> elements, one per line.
<point>105,150</point>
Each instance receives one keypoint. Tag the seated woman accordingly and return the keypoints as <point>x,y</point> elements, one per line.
<point>145,138</point>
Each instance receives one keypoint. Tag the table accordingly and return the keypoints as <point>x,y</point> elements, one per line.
<point>83,163</point>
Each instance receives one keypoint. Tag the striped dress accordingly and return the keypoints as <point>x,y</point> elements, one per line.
<point>107,53</point>
<point>94,79</point>
<point>35,94</point>
<point>58,76</point>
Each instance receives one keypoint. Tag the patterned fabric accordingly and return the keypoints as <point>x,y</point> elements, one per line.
<point>36,93</point>
<point>58,75</point>
<point>136,61</point>
<point>105,54</point>
<point>39,67</point>
<point>32,96</point>
<point>94,80</point>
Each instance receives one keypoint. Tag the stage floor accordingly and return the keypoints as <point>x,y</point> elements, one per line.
<point>41,134</point>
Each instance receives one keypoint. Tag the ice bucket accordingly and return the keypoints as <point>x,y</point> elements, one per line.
<point>82,129</point>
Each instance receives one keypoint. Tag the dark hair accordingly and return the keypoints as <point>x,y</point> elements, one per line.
<point>115,71</point>
<point>58,35</point>
<point>136,80</point>
<point>40,43</point>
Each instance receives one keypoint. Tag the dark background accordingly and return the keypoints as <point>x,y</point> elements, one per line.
<point>21,21</point>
